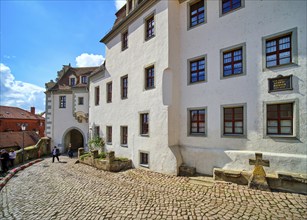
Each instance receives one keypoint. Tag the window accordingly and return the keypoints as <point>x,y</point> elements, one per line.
<point>229,5</point>
<point>80,100</point>
<point>84,79</point>
<point>233,61</point>
<point>72,81</point>
<point>144,159</point>
<point>197,13</point>
<point>150,28</point>
<point>129,5</point>
<point>97,131</point>
<point>109,134</point>
<point>150,77</point>
<point>233,120</point>
<point>97,95</point>
<point>280,49</point>
<point>197,121</point>
<point>125,40</point>
<point>280,119</point>
<point>124,83</point>
<point>62,101</point>
<point>124,135</point>
<point>109,92</point>
<point>144,123</point>
<point>197,70</point>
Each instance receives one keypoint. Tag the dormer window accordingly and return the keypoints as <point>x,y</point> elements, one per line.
<point>129,5</point>
<point>72,82</point>
<point>84,79</point>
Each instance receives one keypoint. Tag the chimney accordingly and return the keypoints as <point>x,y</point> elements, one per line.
<point>33,110</point>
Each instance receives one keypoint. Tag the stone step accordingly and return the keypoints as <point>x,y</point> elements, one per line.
<point>202,180</point>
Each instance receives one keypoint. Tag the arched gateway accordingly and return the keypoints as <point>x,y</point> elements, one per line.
<point>75,137</point>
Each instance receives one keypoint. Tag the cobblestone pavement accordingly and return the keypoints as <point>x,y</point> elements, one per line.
<point>75,191</point>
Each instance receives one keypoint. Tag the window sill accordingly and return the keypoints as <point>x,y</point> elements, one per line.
<point>280,136</point>
<point>280,66</point>
<point>109,102</point>
<point>124,145</point>
<point>149,38</point>
<point>233,75</point>
<point>123,49</point>
<point>233,136</point>
<point>197,82</point>
<point>109,143</point>
<point>196,25</point>
<point>150,88</point>
<point>197,135</point>
<point>144,165</point>
<point>124,98</point>
<point>144,135</point>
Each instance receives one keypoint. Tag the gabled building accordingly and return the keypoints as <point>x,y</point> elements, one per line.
<point>11,119</point>
<point>204,83</point>
<point>67,108</point>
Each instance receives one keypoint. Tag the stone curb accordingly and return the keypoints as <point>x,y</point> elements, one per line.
<point>12,172</point>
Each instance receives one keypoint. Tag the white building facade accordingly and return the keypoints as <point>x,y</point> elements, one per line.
<point>204,83</point>
<point>67,108</point>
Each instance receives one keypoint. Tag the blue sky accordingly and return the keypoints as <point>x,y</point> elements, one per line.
<point>38,37</point>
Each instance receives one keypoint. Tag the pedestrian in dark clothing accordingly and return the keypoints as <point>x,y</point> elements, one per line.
<point>55,153</point>
<point>5,157</point>
<point>70,152</point>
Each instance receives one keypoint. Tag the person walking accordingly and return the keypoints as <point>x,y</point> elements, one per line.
<point>55,153</point>
<point>70,152</point>
<point>12,156</point>
<point>4,160</point>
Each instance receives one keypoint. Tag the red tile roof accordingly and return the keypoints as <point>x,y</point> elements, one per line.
<point>14,139</point>
<point>9,112</point>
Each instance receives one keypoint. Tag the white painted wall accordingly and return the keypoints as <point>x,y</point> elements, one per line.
<point>247,25</point>
<point>168,143</point>
<point>63,120</point>
<point>133,61</point>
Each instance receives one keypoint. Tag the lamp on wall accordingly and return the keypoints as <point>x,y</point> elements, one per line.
<point>23,127</point>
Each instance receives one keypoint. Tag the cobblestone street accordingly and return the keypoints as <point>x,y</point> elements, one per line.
<point>74,191</point>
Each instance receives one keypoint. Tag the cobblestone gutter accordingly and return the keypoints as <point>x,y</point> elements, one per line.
<point>12,172</point>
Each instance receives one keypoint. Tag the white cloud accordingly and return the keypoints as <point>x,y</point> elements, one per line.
<point>119,4</point>
<point>86,60</point>
<point>18,93</point>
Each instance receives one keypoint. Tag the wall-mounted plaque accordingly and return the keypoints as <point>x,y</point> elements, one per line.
<point>280,83</point>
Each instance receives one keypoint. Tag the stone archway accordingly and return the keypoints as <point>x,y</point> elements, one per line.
<point>74,137</point>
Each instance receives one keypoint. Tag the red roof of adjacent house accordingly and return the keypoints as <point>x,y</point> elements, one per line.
<point>14,139</point>
<point>9,112</point>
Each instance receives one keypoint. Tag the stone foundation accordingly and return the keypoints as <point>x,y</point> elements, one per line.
<point>111,163</point>
<point>287,182</point>
<point>187,171</point>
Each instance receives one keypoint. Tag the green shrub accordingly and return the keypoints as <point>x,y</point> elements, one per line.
<point>121,158</point>
<point>102,155</point>
<point>84,156</point>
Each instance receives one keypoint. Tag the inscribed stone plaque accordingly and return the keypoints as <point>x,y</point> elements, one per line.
<point>280,83</point>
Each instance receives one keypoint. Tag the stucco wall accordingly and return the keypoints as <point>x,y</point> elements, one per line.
<point>132,62</point>
<point>247,25</point>
<point>61,120</point>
